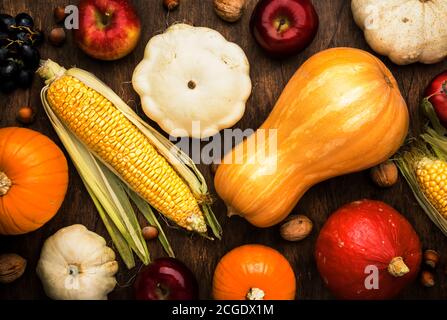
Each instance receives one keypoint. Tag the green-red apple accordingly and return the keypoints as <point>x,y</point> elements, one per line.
<point>108,29</point>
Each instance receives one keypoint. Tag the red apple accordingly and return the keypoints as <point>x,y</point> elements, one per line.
<point>166,279</point>
<point>436,93</point>
<point>108,29</point>
<point>284,27</point>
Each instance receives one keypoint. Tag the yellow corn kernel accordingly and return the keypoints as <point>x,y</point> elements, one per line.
<point>431,175</point>
<point>120,144</point>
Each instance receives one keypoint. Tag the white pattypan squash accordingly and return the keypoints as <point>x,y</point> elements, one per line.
<point>406,31</point>
<point>193,75</point>
<point>76,264</point>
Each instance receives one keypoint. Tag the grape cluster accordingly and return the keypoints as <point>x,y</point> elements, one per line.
<point>19,57</point>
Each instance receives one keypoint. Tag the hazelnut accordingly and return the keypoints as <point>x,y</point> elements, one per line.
<point>229,10</point>
<point>57,36</point>
<point>12,266</point>
<point>431,258</point>
<point>171,4</point>
<point>150,233</point>
<point>385,174</point>
<point>296,228</point>
<point>427,279</point>
<point>25,115</point>
<point>59,14</point>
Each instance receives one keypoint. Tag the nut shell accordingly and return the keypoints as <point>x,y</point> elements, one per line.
<point>150,233</point>
<point>427,279</point>
<point>25,115</point>
<point>170,4</point>
<point>431,258</point>
<point>229,10</point>
<point>296,228</point>
<point>12,267</point>
<point>57,36</point>
<point>59,14</point>
<point>385,174</point>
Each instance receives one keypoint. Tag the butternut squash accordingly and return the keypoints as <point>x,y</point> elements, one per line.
<point>341,112</point>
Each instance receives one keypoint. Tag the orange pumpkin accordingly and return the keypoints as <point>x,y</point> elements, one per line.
<point>341,112</point>
<point>33,180</point>
<point>254,272</point>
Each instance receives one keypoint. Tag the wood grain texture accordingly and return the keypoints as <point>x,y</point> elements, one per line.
<point>337,28</point>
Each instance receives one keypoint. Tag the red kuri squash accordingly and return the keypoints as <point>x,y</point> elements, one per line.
<point>254,272</point>
<point>363,240</point>
<point>33,180</point>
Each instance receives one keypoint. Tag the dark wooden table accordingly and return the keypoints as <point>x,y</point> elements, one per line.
<point>337,28</point>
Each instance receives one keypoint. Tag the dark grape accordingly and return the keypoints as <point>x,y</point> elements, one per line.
<point>24,37</point>
<point>8,86</point>
<point>38,37</point>
<point>30,56</point>
<point>24,20</point>
<point>3,38</point>
<point>18,56</point>
<point>6,22</point>
<point>19,62</point>
<point>3,55</point>
<point>14,46</point>
<point>9,70</point>
<point>25,78</point>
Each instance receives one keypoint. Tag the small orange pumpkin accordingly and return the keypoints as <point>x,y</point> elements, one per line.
<point>254,272</point>
<point>33,180</point>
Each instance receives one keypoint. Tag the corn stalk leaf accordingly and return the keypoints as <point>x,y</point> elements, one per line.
<point>97,179</point>
<point>430,113</point>
<point>212,221</point>
<point>437,142</point>
<point>121,245</point>
<point>148,213</point>
<point>121,200</point>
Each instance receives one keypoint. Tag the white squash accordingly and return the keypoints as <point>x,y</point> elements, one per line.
<point>193,74</point>
<point>406,31</point>
<point>76,264</point>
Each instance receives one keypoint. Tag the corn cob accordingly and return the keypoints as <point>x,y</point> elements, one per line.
<point>425,170</point>
<point>119,144</point>
<point>432,178</point>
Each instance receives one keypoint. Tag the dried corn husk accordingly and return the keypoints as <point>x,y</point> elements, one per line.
<point>109,193</point>
<point>430,147</point>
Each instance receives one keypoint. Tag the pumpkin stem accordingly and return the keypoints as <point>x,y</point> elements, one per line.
<point>255,294</point>
<point>5,184</point>
<point>232,212</point>
<point>397,267</point>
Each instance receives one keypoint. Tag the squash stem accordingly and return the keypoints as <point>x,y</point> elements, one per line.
<point>397,267</point>
<point>232,212</point>
<point>5,184</point>
<point>255,294</point>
